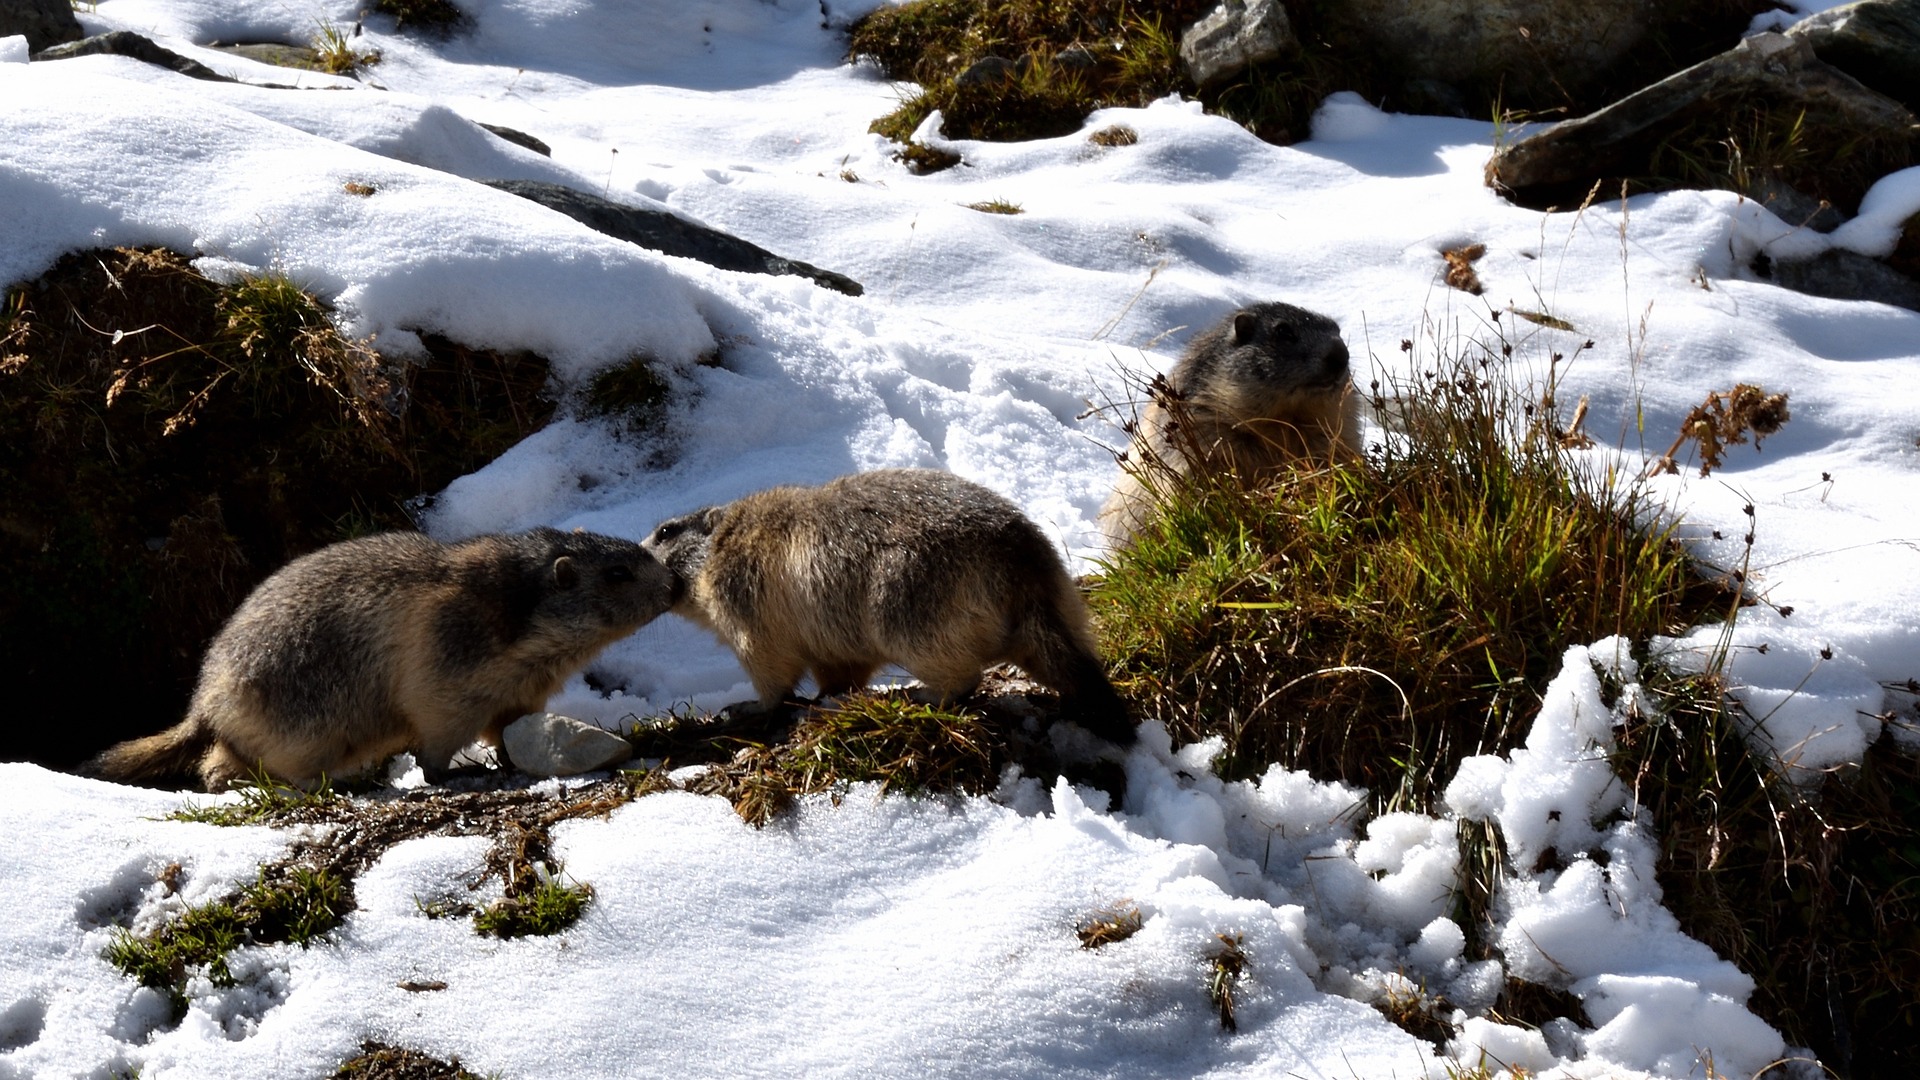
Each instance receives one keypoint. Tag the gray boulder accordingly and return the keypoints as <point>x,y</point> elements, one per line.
<point>45,23</point>
<point>1235,36</point>
<point>660,231</point>
<point>1536,51</point>
<point>1845,275</point>
<point>1558,166</point>
<point>1875,41</point>
<point>548,744</point>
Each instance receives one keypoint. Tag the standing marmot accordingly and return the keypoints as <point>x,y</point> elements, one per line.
<point>397,642</point>
<point>908,566</point>
<point>1265,386</point>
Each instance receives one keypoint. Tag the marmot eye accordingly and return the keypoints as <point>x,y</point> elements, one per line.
<point>619,574</point>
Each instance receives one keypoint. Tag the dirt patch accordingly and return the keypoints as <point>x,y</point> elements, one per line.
<point>378,1061</point>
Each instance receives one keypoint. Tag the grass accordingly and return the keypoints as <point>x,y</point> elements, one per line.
<point>1226,966</point>
<point>1108,925</point>
<point>996,206</point>
<point>378,1061</point>
<point>334,52</point>
<point>1377,623</point>
<point>908,748</point>
<point>547,908</point>
<point>300,906</point>
<point>261,800</point>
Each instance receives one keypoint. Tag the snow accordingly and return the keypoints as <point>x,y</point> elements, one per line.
<point>886,936</point>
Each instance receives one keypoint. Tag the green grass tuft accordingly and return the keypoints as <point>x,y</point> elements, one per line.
<point>908,748</point>
<point>301,907</point>
<point>546,909</point>
<point>261,797</point>
<point>1379,622</point>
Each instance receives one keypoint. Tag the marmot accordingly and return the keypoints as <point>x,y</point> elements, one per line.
<point>1265,386</point>
<point>397,642</point>
<point>914,567</point>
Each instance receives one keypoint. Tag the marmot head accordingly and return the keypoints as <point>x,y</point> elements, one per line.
<point>591,580</point>
<point>1285,348</point>
<point>681,545</point>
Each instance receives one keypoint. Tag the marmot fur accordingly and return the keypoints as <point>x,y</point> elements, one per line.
<point>913,567</point>
<point>1266,386</point>
<point>397,642</point>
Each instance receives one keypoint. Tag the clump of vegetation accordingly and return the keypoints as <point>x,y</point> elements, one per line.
<point>261,800</point>
<point>632,393</point>
<point>1225,968</point>
<point>1108,925</point>
<point>547,908</point>
<point>996,206</point>
<point>1114,135</point>
<point>378,1061</point>
<point>907,747</point>
<point>1723,420</point>
<point>1046,65</point>
<point>334,52</point>
<point>166,442</point>
<point>1811,893</point>
<point>298,906</point>
<point>1377,623</point>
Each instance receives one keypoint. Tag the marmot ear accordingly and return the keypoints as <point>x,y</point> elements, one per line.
<point>565,574</point>
<point>1245,325</point>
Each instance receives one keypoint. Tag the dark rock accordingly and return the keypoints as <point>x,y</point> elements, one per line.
<point>1535,52</point>
<point>1559,166</point>
<point>1845,275</point>
<point>45,23</point>
<point>519,138</point>
<point>1235,36</point>
<point>1076,58</point>
<point>1875,41</point>
<point>1793,206</point>
<point>660,231</point>
<point>988,71</point>
<point>128,43</point>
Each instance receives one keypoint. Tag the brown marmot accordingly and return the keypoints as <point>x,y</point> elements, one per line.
<point>1266,386</point>
<point>913,567</point>
<point>397,642</point>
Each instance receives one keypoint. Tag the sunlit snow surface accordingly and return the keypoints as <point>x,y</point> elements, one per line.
<point>896,937</point>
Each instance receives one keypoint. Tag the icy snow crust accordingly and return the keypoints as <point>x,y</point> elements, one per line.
<point>935,938</point>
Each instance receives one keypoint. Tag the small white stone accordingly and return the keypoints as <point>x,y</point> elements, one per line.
<point>548,744</point>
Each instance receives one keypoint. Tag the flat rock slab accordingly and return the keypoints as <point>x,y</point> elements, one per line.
<point>548,744</point>
<point>1560,165</point>
<point>657,230</point>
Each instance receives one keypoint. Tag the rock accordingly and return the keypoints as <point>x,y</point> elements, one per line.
<point>1533,52</point>
<point>1235,36</point>
<point>1845,275</point>
<point>548,744</point>
<point>988,71</point>
<point>45,23</point>
<point>1560,165</point>
<point>1793,206</point>
<point>1875,41</point>
<point>127,43</point>
<point>519,138</point>
<point>660,231</point>
<point>268,52</point>
<point>1076,58</point>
